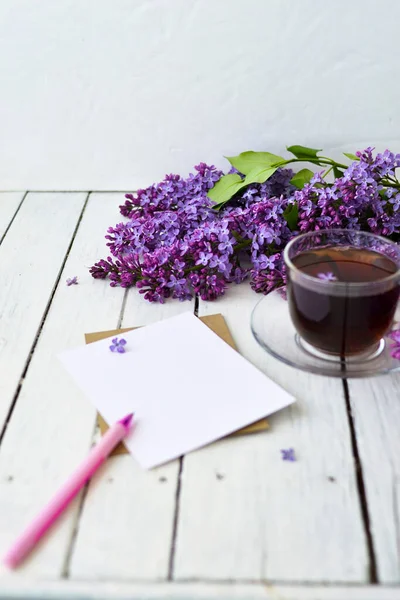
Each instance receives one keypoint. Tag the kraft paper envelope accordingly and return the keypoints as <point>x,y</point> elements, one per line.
<point>217,324</point>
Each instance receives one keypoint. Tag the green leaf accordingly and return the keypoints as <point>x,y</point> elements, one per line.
<point>291,215</point>
<point>351,156</point>
<point>259,175</point>
<point>301,178</point>
<point>337,172</point>
<point>225,188</point>
<point>248,161</point>
<point>304,152</point>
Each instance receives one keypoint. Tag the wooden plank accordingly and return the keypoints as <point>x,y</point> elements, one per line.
<point>52,425</point>
<point>30,259</point>
<point>113,590</point>
<point>9,203</point>
<point>126,526</point>
<point>376,412</point>
<point>245,514</point>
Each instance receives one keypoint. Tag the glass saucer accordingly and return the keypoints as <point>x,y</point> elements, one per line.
<point>273,329</point>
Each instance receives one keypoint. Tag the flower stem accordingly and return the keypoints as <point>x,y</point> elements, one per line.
<point>329,161</point>
<point>327,172</point>
<point>387,183</point>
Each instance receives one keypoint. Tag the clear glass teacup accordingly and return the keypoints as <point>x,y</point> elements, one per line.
<point>342,288</point>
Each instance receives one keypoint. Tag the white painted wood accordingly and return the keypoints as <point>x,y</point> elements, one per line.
<point>95,590</point>
<point>113,94</point>
<point>51,428</point>
<point>246,514</point>
<point>243,513</point>
<point>376,412</point>
<point>9,202</point>
<point>30,259</point>
<point>126,526</point>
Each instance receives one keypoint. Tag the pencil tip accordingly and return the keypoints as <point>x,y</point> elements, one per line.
<point>126,421</point>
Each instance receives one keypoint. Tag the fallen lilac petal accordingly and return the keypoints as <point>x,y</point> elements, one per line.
<point>118,345</point>
<point>288,454</point>
<point>327,276</point>
<point>72,281</point>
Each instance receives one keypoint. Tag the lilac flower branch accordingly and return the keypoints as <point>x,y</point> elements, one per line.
<point>174,244</point>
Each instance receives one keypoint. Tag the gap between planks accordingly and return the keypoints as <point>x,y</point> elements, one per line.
<point>147,499</point>
<point>86,561</point>
<point>13,217</point>
<point>171,563</point>
<point>30,258</point>
<point>82,499</point>
<point>264,521</point>
<point>355,450</point>
<point>46,390</point>
<point>43,319</point>
<point>373,571</point>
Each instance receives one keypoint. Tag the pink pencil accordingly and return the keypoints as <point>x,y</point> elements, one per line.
<point>32,534</point>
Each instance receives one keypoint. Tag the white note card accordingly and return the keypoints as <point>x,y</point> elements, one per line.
<point>186,386</point>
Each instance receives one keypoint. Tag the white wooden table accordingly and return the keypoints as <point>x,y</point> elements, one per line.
<point>230,521</point>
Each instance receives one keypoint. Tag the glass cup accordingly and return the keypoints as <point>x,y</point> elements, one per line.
<point>342,289</point>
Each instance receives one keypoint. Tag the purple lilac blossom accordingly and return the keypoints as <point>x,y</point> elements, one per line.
<point>118,345</point>
<point>72,281</point>
<point>173,245</point>
<point>282,291</point>
<point>327,276</point>
<point>288,454</point>
<point>395,346</point>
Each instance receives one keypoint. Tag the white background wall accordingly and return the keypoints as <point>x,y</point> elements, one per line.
<point>112,94</point>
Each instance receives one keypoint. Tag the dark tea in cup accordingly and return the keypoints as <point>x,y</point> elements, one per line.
<point>343,289</point>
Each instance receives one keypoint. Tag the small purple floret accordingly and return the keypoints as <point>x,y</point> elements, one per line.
<point>395,347</point>
<point>288,454</point>
<point>118,345</point>
<point>72,281</point>
<point>327,276</point>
